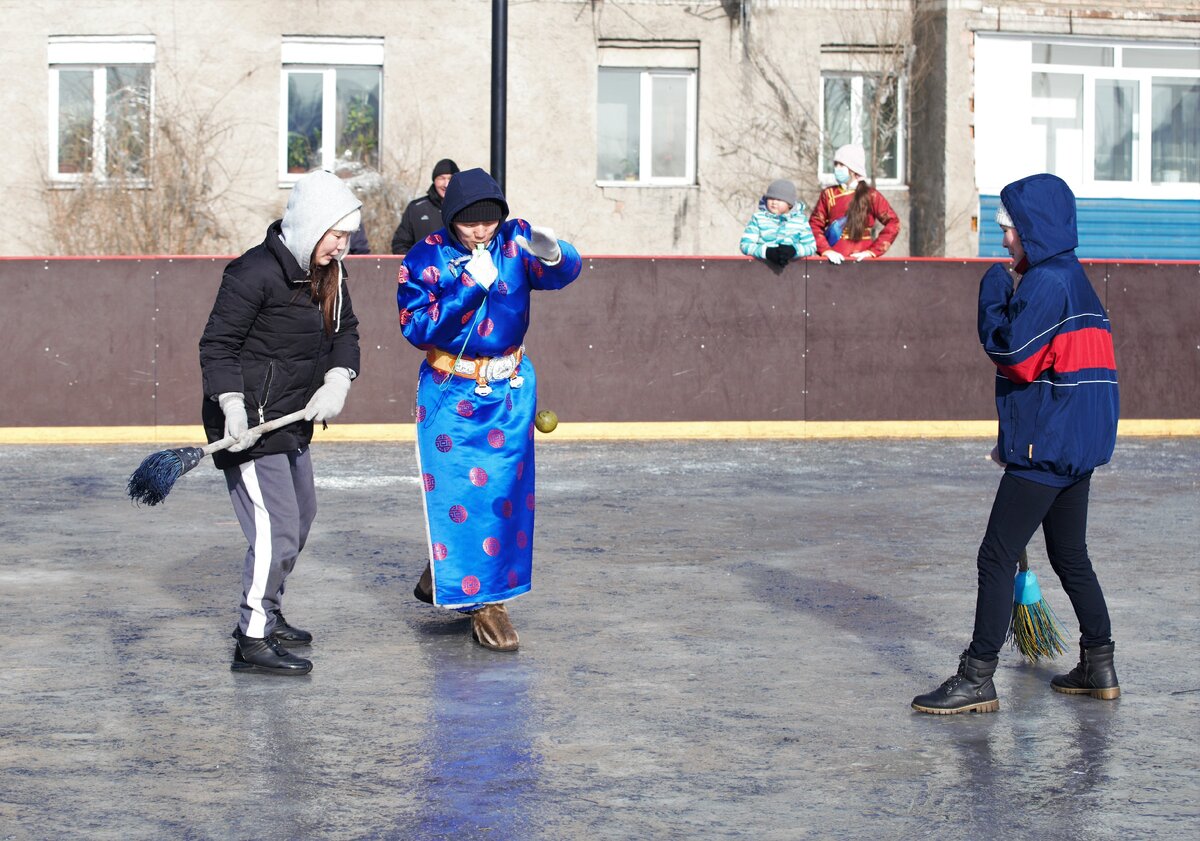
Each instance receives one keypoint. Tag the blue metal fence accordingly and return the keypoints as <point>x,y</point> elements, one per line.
<point>1131,229</point>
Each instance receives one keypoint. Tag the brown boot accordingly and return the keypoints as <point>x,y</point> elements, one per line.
<point>424,589</point>
<point>491,628</point>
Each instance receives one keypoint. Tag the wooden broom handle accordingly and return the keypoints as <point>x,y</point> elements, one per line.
<point>262,429</point>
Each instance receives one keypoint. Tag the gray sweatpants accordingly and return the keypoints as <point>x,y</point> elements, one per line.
<point>275,502</point>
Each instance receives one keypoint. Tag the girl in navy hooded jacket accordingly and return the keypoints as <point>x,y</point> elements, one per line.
<point>1057,400</point>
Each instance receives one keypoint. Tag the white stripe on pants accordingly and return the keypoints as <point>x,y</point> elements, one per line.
<point>275,502</point>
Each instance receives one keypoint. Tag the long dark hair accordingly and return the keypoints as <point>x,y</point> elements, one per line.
<point>325,282</point>
<point>856,215</point>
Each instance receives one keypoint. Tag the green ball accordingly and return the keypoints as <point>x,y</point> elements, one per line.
<point>546,421</point>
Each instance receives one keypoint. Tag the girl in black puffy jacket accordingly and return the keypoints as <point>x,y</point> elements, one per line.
<point>282,337</point>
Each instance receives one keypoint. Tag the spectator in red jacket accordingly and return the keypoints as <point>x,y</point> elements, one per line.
<point>843,222</point>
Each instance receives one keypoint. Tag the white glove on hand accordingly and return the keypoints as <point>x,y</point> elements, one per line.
<point>834,257</point>
<point>236,424</point>
<point>543,245</point>
<point>481,268</point>
<point>859,256</point>
<point>331,397</point>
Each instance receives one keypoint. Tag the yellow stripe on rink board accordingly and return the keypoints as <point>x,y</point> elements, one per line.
<point>193,436</point>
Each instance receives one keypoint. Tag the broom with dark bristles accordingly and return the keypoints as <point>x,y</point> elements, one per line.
<point>1034,629</point>
<point>158,472</point>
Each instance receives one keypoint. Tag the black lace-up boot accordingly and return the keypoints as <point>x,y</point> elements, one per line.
<point>288,635</point>
<point>268,655</point>
<point>1095,675</point>
<point>970,690</point>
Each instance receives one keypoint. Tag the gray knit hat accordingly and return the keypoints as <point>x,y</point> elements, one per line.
<point>783,190</point>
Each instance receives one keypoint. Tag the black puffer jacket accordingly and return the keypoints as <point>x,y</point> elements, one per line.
<point>265,338</point>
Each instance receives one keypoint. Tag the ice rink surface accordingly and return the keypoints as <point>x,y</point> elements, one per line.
<point>722,642</point>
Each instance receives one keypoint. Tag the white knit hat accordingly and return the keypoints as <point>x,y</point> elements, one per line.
<point>1002,217</point>
<point>853,156</point>
<point>348,223</point>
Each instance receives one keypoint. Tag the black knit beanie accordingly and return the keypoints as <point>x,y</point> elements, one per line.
<point>444,167</point>
<point>484,210</point>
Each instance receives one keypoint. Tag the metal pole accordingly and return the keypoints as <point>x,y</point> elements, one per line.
<point>499,86</point>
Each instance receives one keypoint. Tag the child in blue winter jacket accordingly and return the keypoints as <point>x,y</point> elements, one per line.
<point>1057,400</point>
<point>779,232</point>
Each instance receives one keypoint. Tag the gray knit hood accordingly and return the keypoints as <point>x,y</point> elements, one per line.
<point>318,200</point>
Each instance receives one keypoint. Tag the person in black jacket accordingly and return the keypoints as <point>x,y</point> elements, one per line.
<point>423,216</point>
<point>282,337</point>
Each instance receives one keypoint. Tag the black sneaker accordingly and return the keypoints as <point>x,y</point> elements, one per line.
<point>267,655</point>
<point>288,635</point>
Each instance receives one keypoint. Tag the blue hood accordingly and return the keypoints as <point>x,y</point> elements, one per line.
<point>1042,208</point>
<point>465,189</point>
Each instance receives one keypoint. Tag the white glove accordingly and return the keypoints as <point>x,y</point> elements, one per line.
<point>331,397</point>
<point>481,268</point>
<point>236,424</point>
<point>543,245</point>
<point>834,257</point>
<point>859,256</point>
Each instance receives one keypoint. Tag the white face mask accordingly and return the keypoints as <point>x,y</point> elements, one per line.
<point>841,174</point>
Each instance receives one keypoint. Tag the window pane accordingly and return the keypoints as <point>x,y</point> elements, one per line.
<point>1161,59</point>
<point>1058,113</point>
<point>1072,54</point>
<point>837,118</point>
<point>74,121</point>
<point>668,140</point>
<point>304,121</point>
<point>618,118</point>
<point>358,115</point>
<point>1116,115</point>
<point>879,125</point>
<point>1175,139</point>
<point>127,120</point>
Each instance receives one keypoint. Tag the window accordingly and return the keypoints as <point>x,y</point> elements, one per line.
<point>646,115</point>
<point>330,89</point>
<point>101,101</point>
<point>1111,113</point>
<point>864,108</point>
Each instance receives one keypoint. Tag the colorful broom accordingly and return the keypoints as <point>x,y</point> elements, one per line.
<point>1035,630</point>
<point>158,472</point>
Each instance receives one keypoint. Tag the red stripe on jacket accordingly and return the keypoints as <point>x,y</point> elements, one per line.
<point>1090,347</point>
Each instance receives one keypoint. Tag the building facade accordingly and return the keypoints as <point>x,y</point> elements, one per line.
<point>634,127</point>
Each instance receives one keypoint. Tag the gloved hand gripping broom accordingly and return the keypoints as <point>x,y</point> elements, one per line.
<point>156,475</point>
<point>1034,629</point>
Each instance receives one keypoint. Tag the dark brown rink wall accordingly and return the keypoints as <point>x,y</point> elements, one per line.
<point>113,341</point>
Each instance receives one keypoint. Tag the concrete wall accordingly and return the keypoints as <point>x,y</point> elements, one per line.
<point>113,342</point>
<point>759,84</point>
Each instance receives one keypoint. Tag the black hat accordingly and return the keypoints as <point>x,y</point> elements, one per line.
<point>484,210</point>
<point>444,167</point>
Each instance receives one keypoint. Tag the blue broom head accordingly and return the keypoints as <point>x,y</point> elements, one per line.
<point>1034,630</point>
<point>1026,589</point>
<point>156,475</point>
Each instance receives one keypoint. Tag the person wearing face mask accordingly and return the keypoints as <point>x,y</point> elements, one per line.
<point>423,215</point>
<point>464,296</point>
<point>1058,403</point>
<point>843,222</point>
<point>282,336</point>
<point>778,231</point>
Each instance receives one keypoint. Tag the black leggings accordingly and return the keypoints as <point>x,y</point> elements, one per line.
<point>1020,507</point>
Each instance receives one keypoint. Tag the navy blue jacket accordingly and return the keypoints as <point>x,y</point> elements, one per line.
<point>1056,380</point>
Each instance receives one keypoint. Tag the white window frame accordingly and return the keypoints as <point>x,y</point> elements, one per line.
<point>324,55</point>
<point>857,78</point>
<point>646,127</point>
<point>94,53</point>
<point>1004,153</point>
